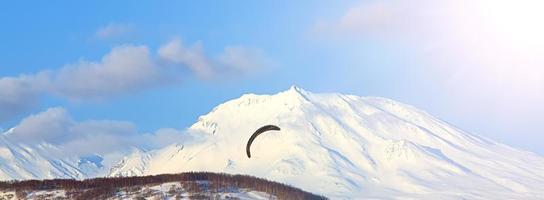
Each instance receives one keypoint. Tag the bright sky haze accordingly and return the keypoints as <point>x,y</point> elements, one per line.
<point>137,67</point>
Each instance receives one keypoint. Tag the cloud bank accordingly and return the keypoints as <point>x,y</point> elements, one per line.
<point>81,138</point>
<point>125,69</point>
<point>19,93</point>
<point>232,61</point>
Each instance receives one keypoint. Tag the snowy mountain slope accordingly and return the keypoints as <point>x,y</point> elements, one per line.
<point>43,161</point>
<point>347,146</point>
<point>19,161</point>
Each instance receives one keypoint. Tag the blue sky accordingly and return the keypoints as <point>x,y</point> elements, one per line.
<point>474,64</point>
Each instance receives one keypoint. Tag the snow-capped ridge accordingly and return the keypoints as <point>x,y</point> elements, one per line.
<point>342,146</point>
<point>346,146</point>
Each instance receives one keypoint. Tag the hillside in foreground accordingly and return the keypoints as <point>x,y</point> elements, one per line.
<point>190,185</point>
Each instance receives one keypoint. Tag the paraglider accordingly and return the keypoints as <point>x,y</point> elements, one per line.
<point>257,133</point>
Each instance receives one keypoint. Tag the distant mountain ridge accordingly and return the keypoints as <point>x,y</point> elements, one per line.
<point>338,145</point>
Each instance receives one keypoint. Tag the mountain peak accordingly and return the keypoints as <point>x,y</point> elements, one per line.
<point>296,89</point>
<point>296,92</point>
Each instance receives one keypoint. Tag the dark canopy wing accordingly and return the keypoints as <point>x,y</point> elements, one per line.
<point>257,133</point>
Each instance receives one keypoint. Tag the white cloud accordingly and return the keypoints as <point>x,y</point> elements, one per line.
<point>113,30</point>
<point>233,60</point>
<point>125,69</point>
<point>47,126</point>
<point>193,57</point>
<point>19,93</point>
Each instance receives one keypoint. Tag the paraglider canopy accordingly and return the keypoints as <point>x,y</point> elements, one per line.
<point>257,133</point>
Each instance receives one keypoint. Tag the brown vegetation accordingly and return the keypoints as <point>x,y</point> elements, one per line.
<point>102,188</point>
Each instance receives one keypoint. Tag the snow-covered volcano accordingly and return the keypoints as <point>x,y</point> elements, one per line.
<point>341,146</point>
<point>347,146</point>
